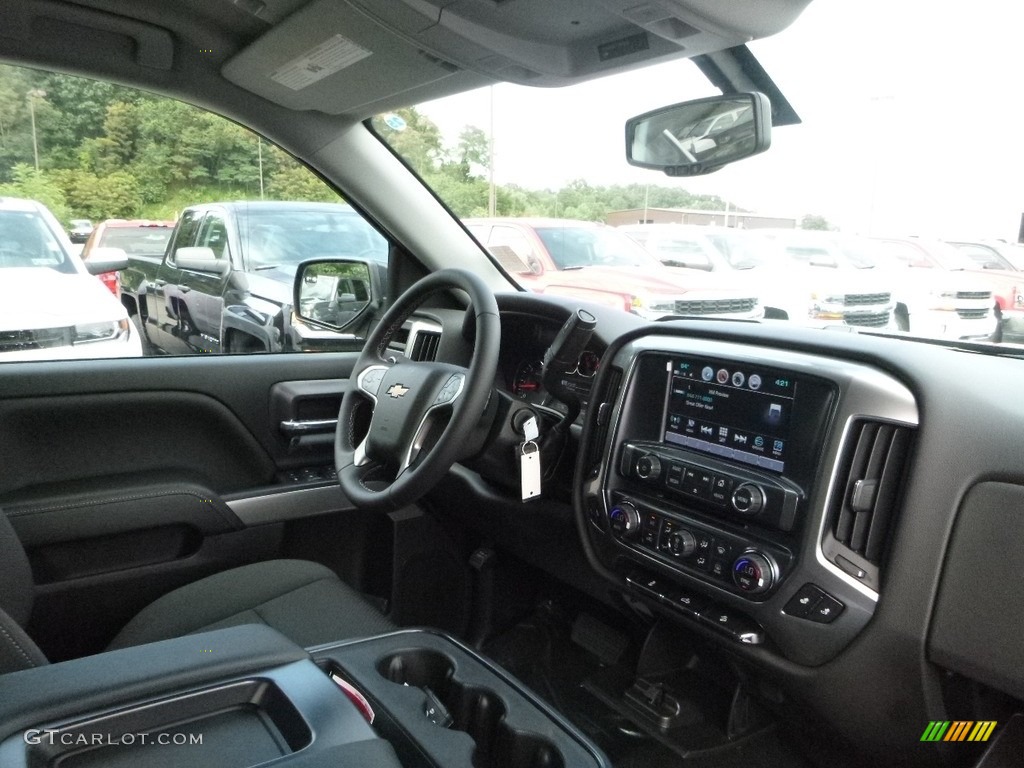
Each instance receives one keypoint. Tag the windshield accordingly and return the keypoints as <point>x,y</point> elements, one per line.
<point>288,237</point>
<point>869,161</point>
<point>138,241</point>
<point>577,247</point>
<point>26,241</point>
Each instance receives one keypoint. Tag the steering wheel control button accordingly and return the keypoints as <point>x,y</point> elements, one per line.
<point>826,611</point>
<point>753,573</point>
<point>624,520</point>
<point>450,390</point>
<point>748,499</point>
<point>370,381</point>
<point>804,601</point>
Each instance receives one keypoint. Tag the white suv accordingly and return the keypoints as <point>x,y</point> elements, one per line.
<point>51,305</point>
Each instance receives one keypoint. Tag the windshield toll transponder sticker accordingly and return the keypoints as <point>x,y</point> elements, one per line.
<point>324,60</point>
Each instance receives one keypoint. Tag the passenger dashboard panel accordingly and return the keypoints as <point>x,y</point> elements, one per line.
<point>731,486</point>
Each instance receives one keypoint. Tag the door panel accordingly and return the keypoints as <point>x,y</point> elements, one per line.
<point>115,473</point>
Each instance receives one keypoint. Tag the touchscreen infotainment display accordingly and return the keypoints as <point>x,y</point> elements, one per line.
<point>732,410</point>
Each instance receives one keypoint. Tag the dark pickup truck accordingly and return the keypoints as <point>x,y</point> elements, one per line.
<point>225,282</point>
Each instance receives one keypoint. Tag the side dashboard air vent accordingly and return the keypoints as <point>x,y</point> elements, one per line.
<point>424,346</point>
<point>606,401</point>
<point>869,481</point>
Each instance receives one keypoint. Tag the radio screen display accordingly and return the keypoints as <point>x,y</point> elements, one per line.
<point>731,410</point>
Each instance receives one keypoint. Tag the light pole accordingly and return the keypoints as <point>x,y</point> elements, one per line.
<point>34,94</point>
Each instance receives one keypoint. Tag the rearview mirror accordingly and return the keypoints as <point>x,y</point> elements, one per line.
<point>698,137</point>
<point>334,294</point>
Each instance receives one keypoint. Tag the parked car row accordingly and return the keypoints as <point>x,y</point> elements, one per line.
<point>220,279</point>
<point>971,291</point>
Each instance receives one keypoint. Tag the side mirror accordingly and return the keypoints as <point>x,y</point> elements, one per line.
<point>201,259</point>
<point>335,294</point>
<point>102,260</point>
<point>698,137</point>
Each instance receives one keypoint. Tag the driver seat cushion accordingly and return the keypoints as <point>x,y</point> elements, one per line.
<point>304,601</point>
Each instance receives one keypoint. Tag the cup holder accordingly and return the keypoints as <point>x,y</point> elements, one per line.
<point>479,712</point>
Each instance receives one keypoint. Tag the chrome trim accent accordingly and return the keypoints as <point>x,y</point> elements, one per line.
<point>296,427</point>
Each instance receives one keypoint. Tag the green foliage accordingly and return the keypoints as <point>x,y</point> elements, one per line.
<point>29,183</point>
<point>814,221</point>
<point>114,195</point>
<point>107,151</point>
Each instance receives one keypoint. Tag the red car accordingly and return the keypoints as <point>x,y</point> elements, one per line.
<point>136,237</point>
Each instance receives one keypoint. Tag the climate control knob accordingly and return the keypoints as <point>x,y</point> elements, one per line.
<point>748,499</point>
<point>681,543</point>
<point>648,467</point>
<point>624,520</point>
<point>753,572</point>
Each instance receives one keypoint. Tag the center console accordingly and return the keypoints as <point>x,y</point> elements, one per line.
<point>244,696</point>
<point>727,487</point>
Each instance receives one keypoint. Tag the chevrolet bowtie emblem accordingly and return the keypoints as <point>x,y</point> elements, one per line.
<point>397,390</point>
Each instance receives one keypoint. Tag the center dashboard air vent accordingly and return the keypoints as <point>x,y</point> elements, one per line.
<point>869,479</point>
<point>424,345</point>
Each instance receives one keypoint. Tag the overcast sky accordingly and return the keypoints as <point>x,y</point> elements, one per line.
<point>913,121</point>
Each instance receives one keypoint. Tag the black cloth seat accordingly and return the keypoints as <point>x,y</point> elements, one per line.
<point>304,601</point>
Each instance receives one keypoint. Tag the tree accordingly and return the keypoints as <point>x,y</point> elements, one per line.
<point>36,185</point>
<point>814,221</point>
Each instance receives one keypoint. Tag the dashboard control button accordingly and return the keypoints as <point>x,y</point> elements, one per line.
<point>719,568</point>
<point>649,531</point>
<point>734,624</point>
<point>624,520</point>
<point>705,544</point>
<point>723,549</point>
<point>674,478</point>
<point>825,611</point>
<point>648,467</point>
<point>697,482</point>
<point>721,489</point>
<point>753,573</point>
<point>703,562</point>
<point>803,602</point>
<point>748,499</point>
<point>850,567</point>
<point>685,601</point>
<point>652,585</point>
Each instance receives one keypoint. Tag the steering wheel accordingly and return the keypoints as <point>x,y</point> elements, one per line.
<point>421,411</point>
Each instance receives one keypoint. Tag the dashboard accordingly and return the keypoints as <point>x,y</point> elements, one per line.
<point>833,512</point>
<point>525,340</point>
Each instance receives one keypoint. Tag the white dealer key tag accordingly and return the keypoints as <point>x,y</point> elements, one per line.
<point>530,430</point>
<point>529,470</point>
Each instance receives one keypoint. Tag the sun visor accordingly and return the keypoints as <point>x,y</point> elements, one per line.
<point>333,58</point>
